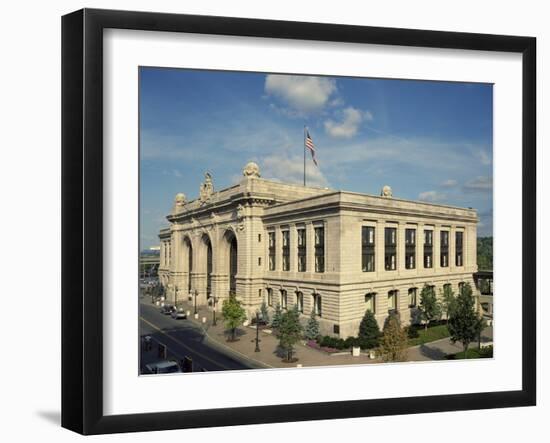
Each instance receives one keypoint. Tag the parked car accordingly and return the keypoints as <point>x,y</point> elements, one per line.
<point>166,309</point>
<point>162,367</point>
<point>178,314</point>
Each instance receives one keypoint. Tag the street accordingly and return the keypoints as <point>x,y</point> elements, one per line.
<point>183,338</point>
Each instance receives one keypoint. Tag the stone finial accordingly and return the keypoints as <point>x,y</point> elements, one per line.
<point>386,192</point>
<point>179,202</point>
<point>251,170</point>
<point>207,188</point>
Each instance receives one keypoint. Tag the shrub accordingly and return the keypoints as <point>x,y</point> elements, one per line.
<point>486,352</point>
<point>332,342</point>
<point>312,327</point>
<point>369,332</point>
<point>412,332</point>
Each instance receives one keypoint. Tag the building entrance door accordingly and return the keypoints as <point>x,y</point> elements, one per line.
<point>233,267</point>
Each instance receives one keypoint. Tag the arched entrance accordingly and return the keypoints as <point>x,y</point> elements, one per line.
<point>233,266</point>
<point>208,266</point>
<point>189,248</point>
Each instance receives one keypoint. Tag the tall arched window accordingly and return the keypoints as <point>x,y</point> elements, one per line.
<point>300,301</point>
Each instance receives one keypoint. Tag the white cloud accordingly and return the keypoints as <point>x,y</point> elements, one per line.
<point>483,157</point>
<point>451,183</point>
<point>174,172</point>
<point>290,169</point>
<point>479,184</point>
<point>304,94</point>
<point>432,196</point>
<point>348,126</point>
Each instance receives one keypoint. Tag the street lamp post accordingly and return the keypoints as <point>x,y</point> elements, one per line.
<point>214,300</point>
<point>257,332</point>
<point>196,294</point>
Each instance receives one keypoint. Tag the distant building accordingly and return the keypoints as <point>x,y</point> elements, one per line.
<point>149,262</point>
<point>334,252</point>
<point>484,283</point>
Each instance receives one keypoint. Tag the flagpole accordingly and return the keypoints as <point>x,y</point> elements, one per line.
<point>304,155</point>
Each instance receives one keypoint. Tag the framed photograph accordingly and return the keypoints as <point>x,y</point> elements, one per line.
<point>269,221</point>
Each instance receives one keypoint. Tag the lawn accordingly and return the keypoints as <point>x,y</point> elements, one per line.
<point>436,332</point>
<point>473,353</point>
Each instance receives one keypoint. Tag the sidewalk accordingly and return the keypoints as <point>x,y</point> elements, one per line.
<point>439,349</point>
<point>268,356</point>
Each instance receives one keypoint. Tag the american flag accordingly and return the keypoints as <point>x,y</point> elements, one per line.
<point>311,147</point>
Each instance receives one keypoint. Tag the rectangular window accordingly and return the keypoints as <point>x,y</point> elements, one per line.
<point>392,301</point>
<point>271,251</point>
<point>367,248</point>
<point>259,293</point>
<point>320,249</point>
<point>284,303</point>
<point>259,238</point>
<point>459,256</point>
<point>370,302</point>
<point>300,302</point>
<point>412,297</point>
<point>259,261</point>
<point>410,248</point>
<point>390,258</point>
<point>317,306</point>
<point>269,297</point>
<point>286,250</point>
<point>460,287</point>
<point>428,248</point>
<point>444,253</point>
<point>301,250</point>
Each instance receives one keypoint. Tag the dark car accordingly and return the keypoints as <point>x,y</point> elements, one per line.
<point>166,309</point>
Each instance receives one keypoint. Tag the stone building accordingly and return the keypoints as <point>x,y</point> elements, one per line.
<point>334,252</point>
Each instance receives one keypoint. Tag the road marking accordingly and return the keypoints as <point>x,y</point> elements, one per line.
<point>182,344</point>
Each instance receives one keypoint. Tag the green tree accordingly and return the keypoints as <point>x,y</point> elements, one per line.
<point>233,314</point>
<point>429,307</point>
<point>312,327</point>
<point>290,331</point>
<point>448,300</point>
<point>369,332</point>
<point>464,323</point>
<point>485,253</point>
<point>276,320</point>
<point>265,312</point>
<point>393,344</point>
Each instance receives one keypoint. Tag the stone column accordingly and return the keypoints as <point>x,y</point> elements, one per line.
<point>437,248</point>
<point>379,248</point>
<point>278,249</point>
<point>293,248</point>
<point>177,264</point>
<point>310,248</point>
<point>419,247</point>
<point>400,249</point>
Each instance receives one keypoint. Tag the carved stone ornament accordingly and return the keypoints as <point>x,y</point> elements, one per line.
<point>386,192</point>
<point>251,170</point>
<point>179,203</point>
<point>240,217</point>
<point>206,189</point>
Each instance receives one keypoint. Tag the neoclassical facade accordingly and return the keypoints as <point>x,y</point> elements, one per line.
<point>334,252</point>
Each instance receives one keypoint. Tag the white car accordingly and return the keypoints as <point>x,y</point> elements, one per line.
<point>178,314</point>
<point>162,367</point>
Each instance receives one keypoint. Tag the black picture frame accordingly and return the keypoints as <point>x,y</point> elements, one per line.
<point>82,219</point>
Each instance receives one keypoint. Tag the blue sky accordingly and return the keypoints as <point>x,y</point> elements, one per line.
<point>429,141</point>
